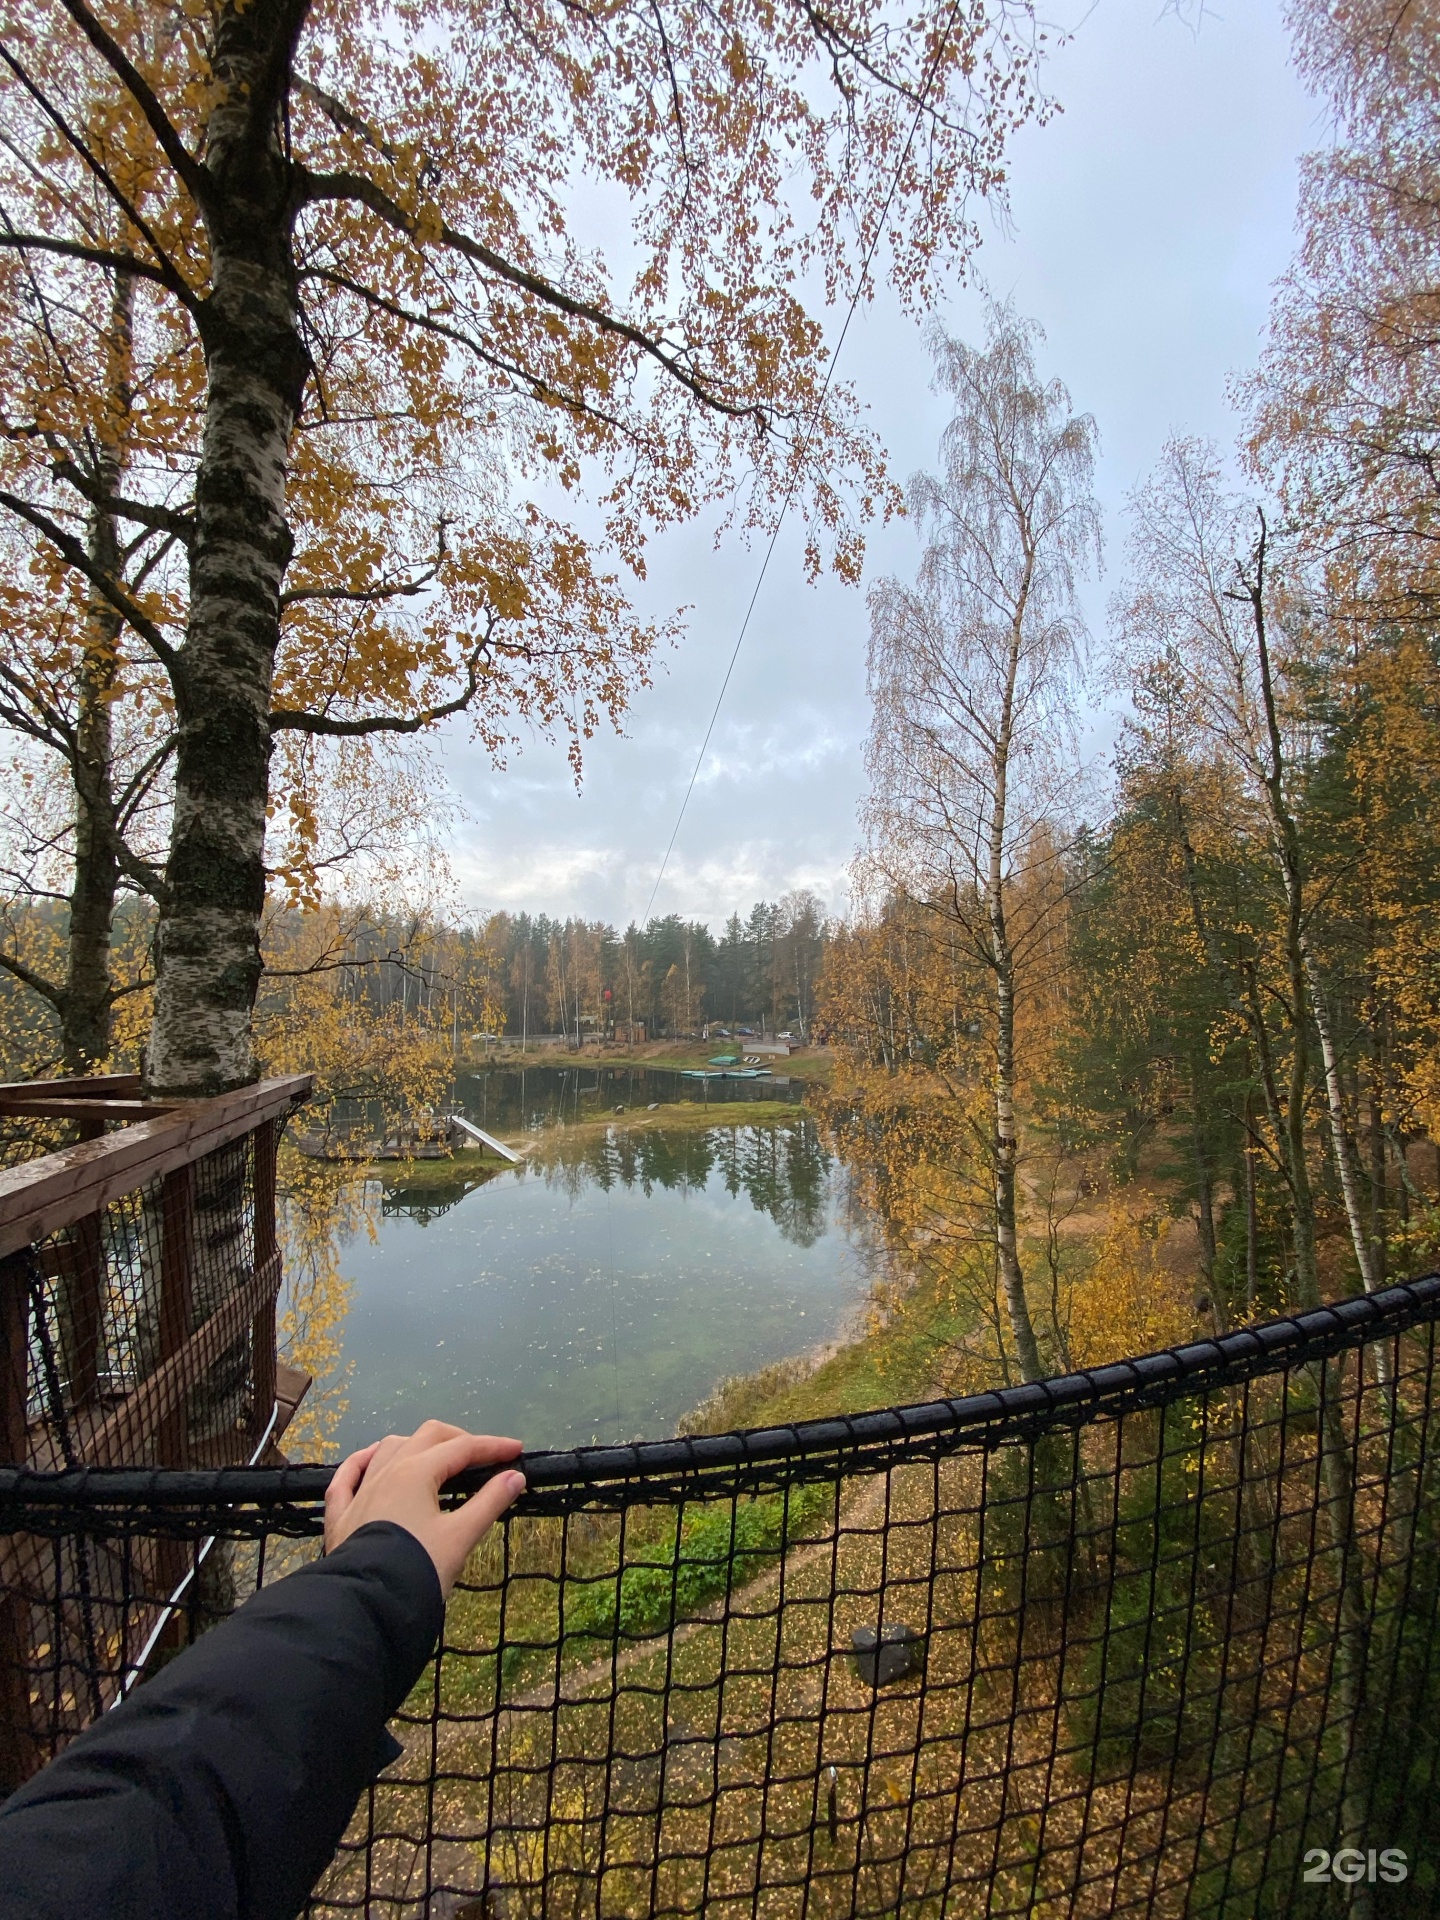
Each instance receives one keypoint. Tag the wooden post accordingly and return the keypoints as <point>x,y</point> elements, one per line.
<point>177,1279</point>
<point>177,1294</point>
<point>15,1356</point>
<point>18,1753</point>
<point>266,1144</point>
<point>81,1295</point>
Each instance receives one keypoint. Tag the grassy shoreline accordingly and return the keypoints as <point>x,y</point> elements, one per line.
<point>685,1116</point>
<point>815,1064</point>
<point>693,1116</point>
<point>892,1361</point>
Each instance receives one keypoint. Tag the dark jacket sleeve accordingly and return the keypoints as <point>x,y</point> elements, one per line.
<point>220,1789</point>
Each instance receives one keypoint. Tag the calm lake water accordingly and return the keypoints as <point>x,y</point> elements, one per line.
<point>603,1288</point>
<point>506,1101</point>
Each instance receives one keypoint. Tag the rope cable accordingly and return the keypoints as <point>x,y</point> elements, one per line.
<point>789,495</point>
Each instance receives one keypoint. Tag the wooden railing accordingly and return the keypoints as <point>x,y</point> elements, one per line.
<point>139,1271</point>
<point>133,1263</point>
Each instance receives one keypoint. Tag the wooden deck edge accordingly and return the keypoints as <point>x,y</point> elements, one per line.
<point>40,1196</point>
<point>291,1386</point>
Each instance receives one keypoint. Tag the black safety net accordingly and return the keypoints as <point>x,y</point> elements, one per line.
<point>1153,1639</point>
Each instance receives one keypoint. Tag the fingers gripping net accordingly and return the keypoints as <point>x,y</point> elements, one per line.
<point>1128,1642</point>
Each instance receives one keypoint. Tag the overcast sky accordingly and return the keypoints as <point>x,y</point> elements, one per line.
<point>1148,223</point>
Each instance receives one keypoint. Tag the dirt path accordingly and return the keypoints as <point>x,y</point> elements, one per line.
<point>579,1684</point>
<point>449,1749</point>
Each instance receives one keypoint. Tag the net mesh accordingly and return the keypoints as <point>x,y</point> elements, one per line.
<point>131,1332</point>
<point>1155,1639</point>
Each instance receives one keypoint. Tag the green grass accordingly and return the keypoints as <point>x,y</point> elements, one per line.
<point>890,1365</point>
<point>467,1170</point>
<point>713,1550</point>
<point>688,1116</point>
<point>470,1168</point>
<point>816,1064</point>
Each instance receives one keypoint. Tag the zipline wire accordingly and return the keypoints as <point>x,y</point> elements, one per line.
<point>789,495</point>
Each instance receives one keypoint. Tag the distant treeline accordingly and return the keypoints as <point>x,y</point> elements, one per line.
<point>341,981</point>
<point>672,976</point>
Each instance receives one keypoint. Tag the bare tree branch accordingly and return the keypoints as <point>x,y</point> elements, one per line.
<point>172,279</point>
<point>369,596</point>
<point>141,512</point>
<point>522,376</point>
<point>35,981</point>
<point>358,187</point>
<point>132,986</point>
<point>95,256</point>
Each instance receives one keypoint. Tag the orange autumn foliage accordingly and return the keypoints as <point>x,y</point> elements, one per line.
<point>1127,1301</point>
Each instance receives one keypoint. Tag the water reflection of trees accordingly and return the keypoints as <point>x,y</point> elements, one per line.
<point>429,1194</point>
<point>783,1171</point>
<point>322,1204</point>
<point>517,1099</point>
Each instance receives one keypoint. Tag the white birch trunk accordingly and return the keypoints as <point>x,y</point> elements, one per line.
<point>256,369</point>
<point>1345,1165</point>
<point>209,940</point>
<point>1007,1145</point>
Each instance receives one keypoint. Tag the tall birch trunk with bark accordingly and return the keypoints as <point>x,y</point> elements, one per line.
<point>1194,563</point>
<point>85,1007</point>
<point>85,1004</point>
<point>1287,1117</point>
<point>208,943</point>
<point>1349,1667</point>
<point>971,675</point>
<point>256,367</point>
<point>1002,959</point>
<point>1252,1209</point>
<point>1367,1252</point>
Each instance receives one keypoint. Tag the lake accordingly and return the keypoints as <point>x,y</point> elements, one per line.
<point>507,1101</point>
<point>603,1288</point>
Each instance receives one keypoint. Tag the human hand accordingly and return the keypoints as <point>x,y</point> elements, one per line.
<point>399,1478</point>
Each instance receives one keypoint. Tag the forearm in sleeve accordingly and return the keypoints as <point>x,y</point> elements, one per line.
<point>220,1789</point>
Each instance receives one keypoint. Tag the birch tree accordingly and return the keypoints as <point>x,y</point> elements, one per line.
<point>78,720</point>
<point>1209,594</point>
<point>1345,405</point>
<point>352,239</point>
<point>1206,597</point>
<point>971,674</point>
